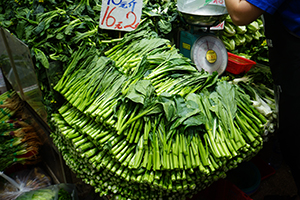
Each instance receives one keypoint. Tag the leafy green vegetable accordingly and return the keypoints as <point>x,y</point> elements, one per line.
<point>64,195</point>
<point>248,41</point>
<point>40,56</point>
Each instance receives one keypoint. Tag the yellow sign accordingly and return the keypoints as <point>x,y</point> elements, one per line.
<point>186,46</point>
<point>211,56</point>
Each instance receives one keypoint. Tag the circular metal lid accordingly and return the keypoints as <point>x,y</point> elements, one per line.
<point>209,15</point>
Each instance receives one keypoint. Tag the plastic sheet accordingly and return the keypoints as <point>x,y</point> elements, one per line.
<point>22,182</point>
<point>63,191</point>
<point>191,5</point>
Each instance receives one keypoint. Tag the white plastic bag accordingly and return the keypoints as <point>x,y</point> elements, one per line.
<point>191,5</point>
<point>21,182</point>
<point>64,191</point>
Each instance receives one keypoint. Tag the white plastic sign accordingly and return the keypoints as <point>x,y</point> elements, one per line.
<point>222,24</point>
<point>123,15</point>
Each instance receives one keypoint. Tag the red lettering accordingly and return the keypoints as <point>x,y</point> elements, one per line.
<point>118,26</point>
<point>110,17</point>
<point>132,25</point>
<point>105,15</point>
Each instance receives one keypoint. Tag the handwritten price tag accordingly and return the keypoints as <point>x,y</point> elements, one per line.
<point>124,15</point>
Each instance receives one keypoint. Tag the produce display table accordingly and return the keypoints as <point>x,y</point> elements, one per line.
<point>127,112</point>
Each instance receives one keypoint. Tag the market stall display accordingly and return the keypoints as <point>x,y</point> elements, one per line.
<point>140,121</point>
<point>130,115</point>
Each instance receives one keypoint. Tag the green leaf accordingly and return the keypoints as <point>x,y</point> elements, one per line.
<point>21,28</point>
<point>218,109</point>
<point>164,26</point>
<point>195,120</point>
<point>140,91</point>
<point>150,13</point>
<point>166,100</point>
<point>227,93</point>
<point>69,29</point>
<point>39,28</point>
<point>154,109</point>
<point>188,113</point>
<point>6,23</point>
<point>144,87</point>
<point>41,57</point>
<point>28,31</point>
<point>192,100</point>
<point>90,10</point>
<point>60,36</point>
<point>39,10</point>
<point>135,96</point>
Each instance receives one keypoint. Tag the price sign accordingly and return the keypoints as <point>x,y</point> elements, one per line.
<point>124,15</point>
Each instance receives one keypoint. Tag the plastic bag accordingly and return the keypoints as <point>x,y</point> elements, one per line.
<point>22,182</point>
<point>63,191</point>
<point>191,5</point>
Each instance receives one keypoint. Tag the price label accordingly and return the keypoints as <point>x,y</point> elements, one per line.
<point>124,15</point>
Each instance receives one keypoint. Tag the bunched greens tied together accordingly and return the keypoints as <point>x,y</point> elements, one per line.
<point>143,123</point>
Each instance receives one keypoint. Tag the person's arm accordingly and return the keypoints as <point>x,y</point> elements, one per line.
<point>242,12</point>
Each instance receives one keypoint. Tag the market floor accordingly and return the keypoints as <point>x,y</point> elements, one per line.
<point>275,174</point>
<point>280,183</point>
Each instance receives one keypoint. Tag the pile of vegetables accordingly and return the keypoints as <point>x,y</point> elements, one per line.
<point>54,29</point>
<point>248,41</point>
<point>143,123</point>
<point>132,116</point>
<point>258,84</point>
<point>19,143</point>
<point>10,105</point>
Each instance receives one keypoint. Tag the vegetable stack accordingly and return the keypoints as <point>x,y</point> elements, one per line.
<point>19,143</point>
<point>258,84</point>
<point>247,41</point>
<point>54,29</point>
<point>10,105</point>
<point>143,123</point>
